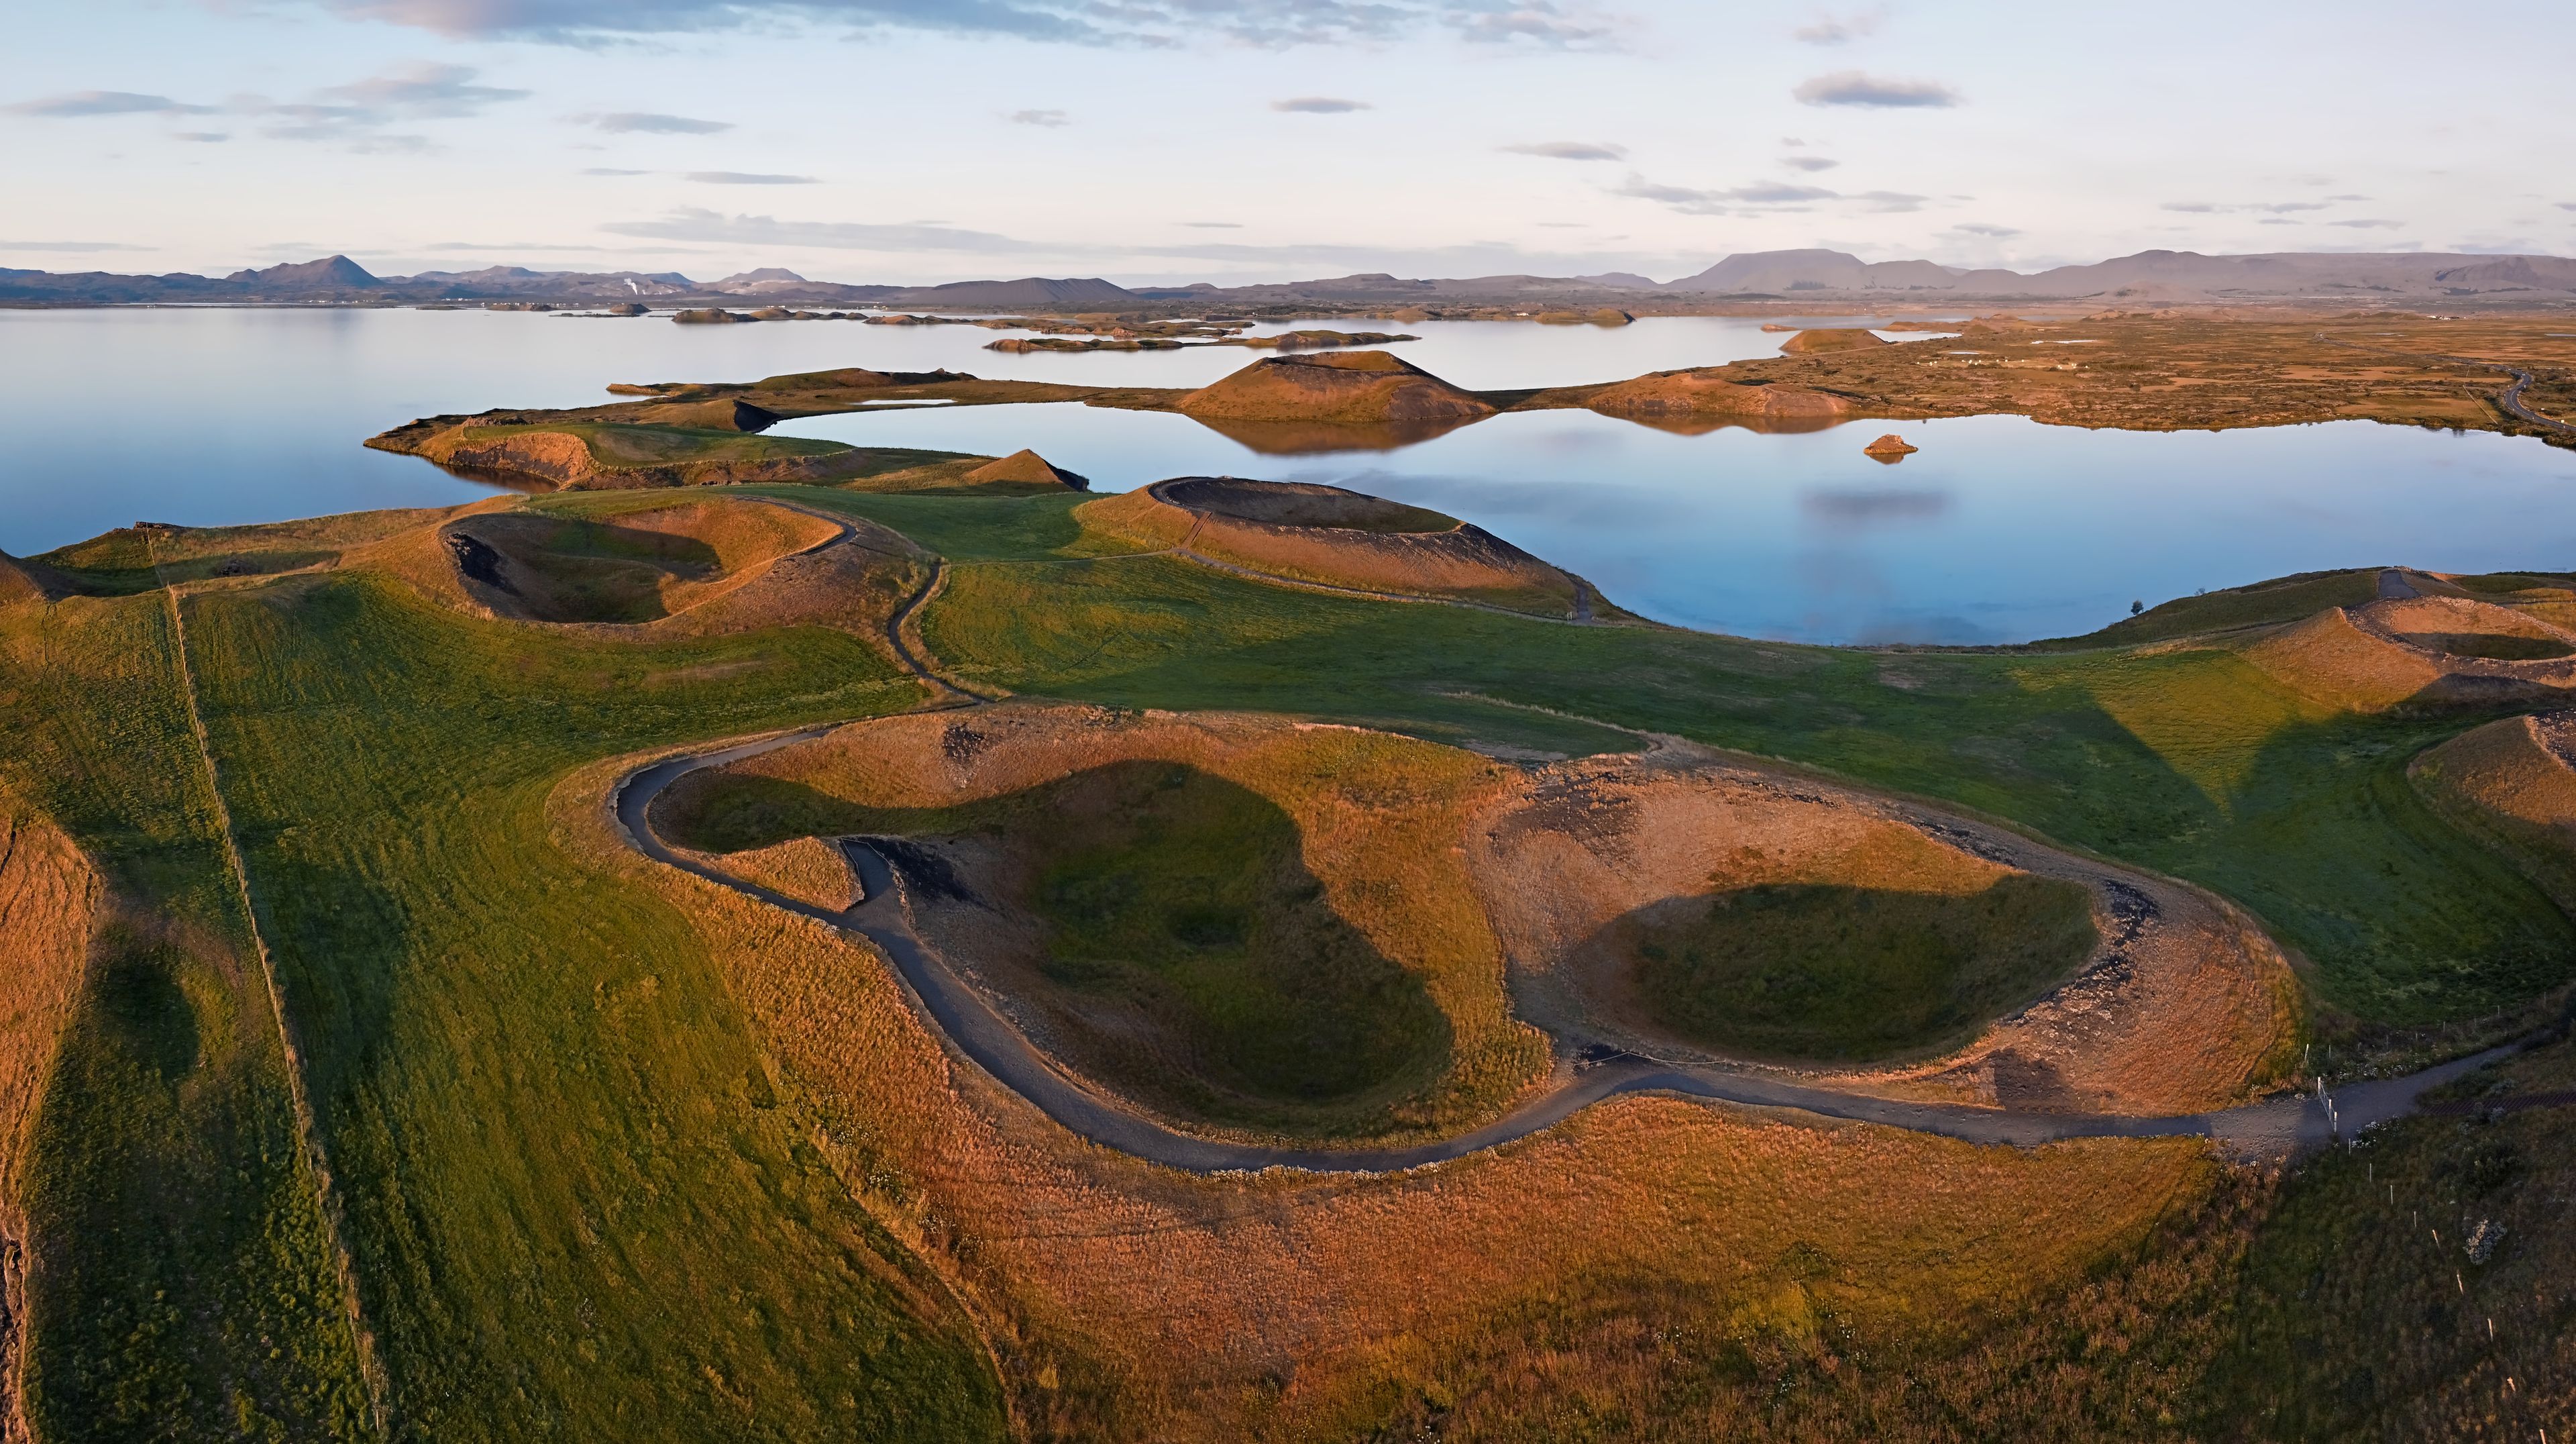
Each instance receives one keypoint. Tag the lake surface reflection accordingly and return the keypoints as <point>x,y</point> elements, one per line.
<point>1999,530</point>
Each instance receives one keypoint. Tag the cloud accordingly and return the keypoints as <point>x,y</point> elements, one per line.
<point>693,224</point>
<point>2275,208</point>
<point>1571,150</point>
<point>1048,118</point>
<point>647,122</point>
<point>1979,229</point>
<point>2566,205</point>
<point>513,246</point>
<point>1319,105</point>
<point>612,170</point>
<point>1761,197</point>
<point>1809,163</point>
<point>1535,21</point>
<point>1271,23</point>
<point>356,112</point>
<point>2347,198</point>
<point>1851,87</point>
<point>749,178</point>
<point>1214,225</point>
<point>422,90</point>
<point>2369,225</point>
<point>104,102</point>
<point>1839,30</point>
<point>202,137</point>
<point>71,248</point>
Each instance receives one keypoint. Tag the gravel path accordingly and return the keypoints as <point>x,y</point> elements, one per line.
<point>2274,1128</point>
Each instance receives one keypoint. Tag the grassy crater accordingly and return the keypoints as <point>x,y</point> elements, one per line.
<point>1846,973</point>
<point>1188,955</point>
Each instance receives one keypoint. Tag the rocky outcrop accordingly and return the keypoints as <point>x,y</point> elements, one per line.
<point>1890,447</point>
<point>1351,387</point>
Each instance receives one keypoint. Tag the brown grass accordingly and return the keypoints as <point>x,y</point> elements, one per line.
<point>2187,1012</point>
<point>641,564</point>
<point>1703,400</point>
<point>807,869</point>
<point>1379,819</point>
<point>49,900</point>
<point>1456,561</point>
<point>2329,660</point>
<point>1349,387</point>
<point>1832,339</point>
<point>2507,782</point>
<point>1618,1255</point>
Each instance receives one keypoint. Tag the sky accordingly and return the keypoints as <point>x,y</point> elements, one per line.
<point>918,141</point>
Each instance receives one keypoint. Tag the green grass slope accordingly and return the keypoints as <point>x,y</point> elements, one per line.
<point>576,1206</point>
<point>1826,971</point>
<point>1190,954</point>
<point>2187,760</point>
<point>181,1284</point>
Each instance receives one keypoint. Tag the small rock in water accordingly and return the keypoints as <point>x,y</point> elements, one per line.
<point>1889,448</point>
<point>2483,1240</point>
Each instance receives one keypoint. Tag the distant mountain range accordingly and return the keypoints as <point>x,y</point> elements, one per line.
<point>2149,276</point>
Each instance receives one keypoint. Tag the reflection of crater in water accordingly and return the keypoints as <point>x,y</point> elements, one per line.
<point>1305,438</point>
<point>1870,508</point>
<point>1694,423</point>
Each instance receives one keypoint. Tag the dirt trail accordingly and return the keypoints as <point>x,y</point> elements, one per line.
<point>1589,1072</point>
<point>371,1368</point>
<point>2274,1128</point>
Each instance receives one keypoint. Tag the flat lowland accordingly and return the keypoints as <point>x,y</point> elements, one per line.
<point>394,1095</point>
<point>1337,538</point>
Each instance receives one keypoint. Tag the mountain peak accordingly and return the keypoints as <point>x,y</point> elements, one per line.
<point>328,271</point>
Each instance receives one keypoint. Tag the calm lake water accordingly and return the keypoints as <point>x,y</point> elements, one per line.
<point>1999,530</point>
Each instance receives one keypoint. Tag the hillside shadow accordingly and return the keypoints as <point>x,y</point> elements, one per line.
<point>2409,919</point>
<point>1185,952</point>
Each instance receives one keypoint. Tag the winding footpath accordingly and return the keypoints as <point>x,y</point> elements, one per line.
<point>2274,1128</point>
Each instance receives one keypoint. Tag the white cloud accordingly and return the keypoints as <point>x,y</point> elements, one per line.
<point>1839,30</point>
<point>80,103</point>
<point>1047,118</point>
<point>1571,150</point>
<point>1319,105</point>
<point>1851,87</point>
<point>647,122</point>
<point>749,178</point>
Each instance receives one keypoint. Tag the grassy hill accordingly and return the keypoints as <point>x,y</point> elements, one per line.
<point>393,1099</point>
